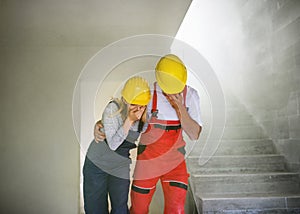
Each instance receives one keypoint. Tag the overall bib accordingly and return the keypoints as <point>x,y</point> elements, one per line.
<point>160,157</point>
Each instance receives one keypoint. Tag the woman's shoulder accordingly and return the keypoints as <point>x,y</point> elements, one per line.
<point>113,106</point>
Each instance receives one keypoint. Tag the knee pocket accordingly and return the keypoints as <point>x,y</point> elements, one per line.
<point>178,184</point>
<point>140,190</point>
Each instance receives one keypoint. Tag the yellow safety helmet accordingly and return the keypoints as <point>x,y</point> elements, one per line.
<point>171,74</point>
<point>136,91</point>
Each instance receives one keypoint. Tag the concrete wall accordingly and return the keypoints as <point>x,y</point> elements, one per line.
<point>254,47</point>
<point>271,74</point>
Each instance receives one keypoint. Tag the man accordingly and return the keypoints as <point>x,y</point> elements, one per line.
<point>175,107</point>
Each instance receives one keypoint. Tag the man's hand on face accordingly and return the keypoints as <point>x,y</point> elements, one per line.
<point>175,100</point>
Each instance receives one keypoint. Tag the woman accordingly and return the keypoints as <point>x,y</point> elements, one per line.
<point>106,167</point>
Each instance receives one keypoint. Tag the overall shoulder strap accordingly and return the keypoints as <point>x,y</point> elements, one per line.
<point>184,95</point>
<point>154,102</point>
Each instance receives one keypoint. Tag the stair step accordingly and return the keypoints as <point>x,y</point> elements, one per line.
<point>248,203</point>
<point>243,132</point>
<point>239,117</point>
<point>287,182</point>
<point>236,118</point>
<point>235,132</point>
<point>244,173</point>
<point>237,164</point>
<point>239,147</point>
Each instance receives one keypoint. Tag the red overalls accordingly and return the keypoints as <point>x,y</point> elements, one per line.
<point>160,157</point>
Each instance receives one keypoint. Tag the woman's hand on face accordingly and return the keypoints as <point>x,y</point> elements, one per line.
<point>140,111</point>
<point>135,112</point>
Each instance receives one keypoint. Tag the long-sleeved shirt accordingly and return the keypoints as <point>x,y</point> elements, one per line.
<point>113,126</point>
<point>112,155</point>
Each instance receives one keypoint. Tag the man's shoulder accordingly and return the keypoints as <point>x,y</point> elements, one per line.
<point>190,89</point>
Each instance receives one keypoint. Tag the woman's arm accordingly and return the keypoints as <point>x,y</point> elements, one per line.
<point>113,126</point>
<point>115,129</point>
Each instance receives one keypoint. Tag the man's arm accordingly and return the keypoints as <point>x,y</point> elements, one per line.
<point>189,126</point>
<point>98,134</point>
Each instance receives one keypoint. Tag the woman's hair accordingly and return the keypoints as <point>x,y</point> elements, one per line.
<point>122,108</point>
<point>123,111</point>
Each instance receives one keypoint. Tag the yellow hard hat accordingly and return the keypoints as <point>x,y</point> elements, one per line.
<point>171,74</point>
<point>136,91</point>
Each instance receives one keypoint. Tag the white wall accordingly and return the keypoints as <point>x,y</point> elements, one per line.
<point>44,45</point>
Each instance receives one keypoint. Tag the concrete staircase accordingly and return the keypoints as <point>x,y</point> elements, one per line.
<point>246,174</point>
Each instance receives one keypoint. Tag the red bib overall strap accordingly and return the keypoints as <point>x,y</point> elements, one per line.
<point>184,95</point>
<point>161,135</point>
<point>154,109</point>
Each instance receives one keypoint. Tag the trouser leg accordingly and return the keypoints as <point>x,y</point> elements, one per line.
<point>141,195</point>
<point>174,185</point>
<point>118,192</point>
<point>94,189</point>
<point>175,195</point>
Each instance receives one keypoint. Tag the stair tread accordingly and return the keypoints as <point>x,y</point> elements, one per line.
<point>245,174</point>
<point>226,196</point>
<point>238,156</point>
<point>236,172</point>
